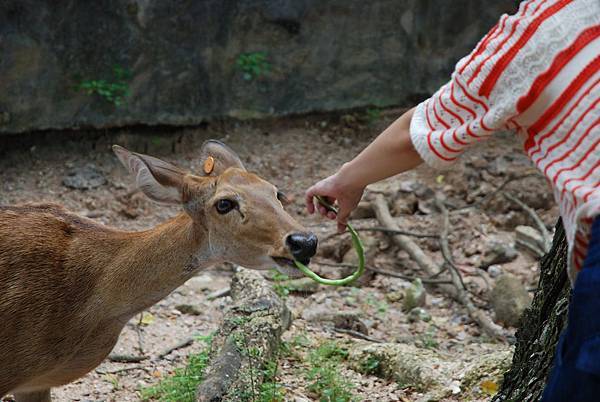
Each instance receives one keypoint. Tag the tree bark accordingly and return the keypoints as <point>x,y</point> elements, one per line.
<point>540,328</point>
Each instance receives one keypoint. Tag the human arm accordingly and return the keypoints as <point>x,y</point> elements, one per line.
<point>392,152</point>
<point>480,99</point>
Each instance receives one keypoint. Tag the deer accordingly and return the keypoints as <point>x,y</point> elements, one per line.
<point>68,285</point>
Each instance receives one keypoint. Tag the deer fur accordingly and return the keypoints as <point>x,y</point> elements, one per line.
<point>68,285</point>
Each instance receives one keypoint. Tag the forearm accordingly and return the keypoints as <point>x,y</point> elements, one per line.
<point>392,152</point>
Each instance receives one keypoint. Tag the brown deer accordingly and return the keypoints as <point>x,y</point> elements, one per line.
<point>68,285</point>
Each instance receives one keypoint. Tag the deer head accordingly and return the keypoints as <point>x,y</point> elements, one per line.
<point>239,216</point>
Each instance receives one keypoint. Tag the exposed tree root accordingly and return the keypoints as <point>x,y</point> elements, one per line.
<point>456,290</point>
<point>248,338</point>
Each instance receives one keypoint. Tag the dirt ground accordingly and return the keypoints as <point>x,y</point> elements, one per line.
<point>293,153</point>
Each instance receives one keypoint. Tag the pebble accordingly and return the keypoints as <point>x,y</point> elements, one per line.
<point>84,178</point>
<point>414,296</point>
<point>494,271</point>
<point>498,253</point>
<point>509,298</point>
<point>418,314</point>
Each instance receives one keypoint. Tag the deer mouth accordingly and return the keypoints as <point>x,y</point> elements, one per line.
<point>287,267</point>
<point>284,261</point>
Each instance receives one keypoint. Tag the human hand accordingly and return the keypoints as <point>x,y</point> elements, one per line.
<point>335,188</point>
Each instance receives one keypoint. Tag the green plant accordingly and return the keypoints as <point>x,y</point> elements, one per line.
<point>371,365</point>
<point>324,377</point>
<point>356,243</point>
<point>253,65</point>
<point>281,287</point>
<point>181,386</point>
<point>270,389</point>
<point>372,114</point>
<point>428,338</point>
<point>113,91</point>
<point>113,379</point>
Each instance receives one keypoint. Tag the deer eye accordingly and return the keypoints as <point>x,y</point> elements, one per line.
<point>225,205</point>
<point>282,197</point>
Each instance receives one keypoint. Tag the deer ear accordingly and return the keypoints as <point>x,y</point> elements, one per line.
<point>159,180</point>
<point>217,157</point>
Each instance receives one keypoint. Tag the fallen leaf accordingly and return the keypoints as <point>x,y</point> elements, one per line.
<point>439,179</point>
<point>147,318</point>
<point>489,387</point>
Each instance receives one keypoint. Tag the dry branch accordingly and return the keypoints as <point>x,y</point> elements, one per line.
<point>357,334</point>
<point>383,272</point>
<point>487,325</point>
<point>535,217</point>
<point>248,338</point>
<point>122,369</point>
<point>456,290</point>
<point>384,230</point>
<point>496,191</point>
<point>181,344</point>
<point>405,243</point>
<point>116,358</point>
<point>402,232</point>
<point>219,293</point>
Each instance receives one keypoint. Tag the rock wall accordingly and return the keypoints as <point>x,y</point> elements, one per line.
<point>110,63</point>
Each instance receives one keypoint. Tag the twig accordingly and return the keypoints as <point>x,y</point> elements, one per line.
<point>444,247</point>
<point>219,293</point>
<point>430,281</point>
<point>402,232</point>
<point>382,272</point>
<point>136,367</point>
<point>446,255</point>
<point>405,243</point>
<point>384,230</point>
<point>496,191</point>
<point>443,269</point>
<point>139,331</point>
<point>357,334</point>
<point>126,358</point>
<point>538,222</point>
<point>488,326</point>
<point>182,344</point>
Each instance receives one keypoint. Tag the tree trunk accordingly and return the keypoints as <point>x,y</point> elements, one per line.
<point>540,328</point>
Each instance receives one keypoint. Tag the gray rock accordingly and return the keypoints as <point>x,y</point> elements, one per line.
<point>498,253</point>
<point>509,299</point>
<point>188,309</point>
<point>394,296</point>
<point>414,296</point>
<point>200,283</point>
<point>84,178</point>
<point>363,211</point>
<point>407,204</point>
<point>419,314</point>
<point>184,62</point>
<point>494,271</point>
<point>530,239</point>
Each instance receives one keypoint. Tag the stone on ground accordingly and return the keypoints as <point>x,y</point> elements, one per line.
<point>509,299</point>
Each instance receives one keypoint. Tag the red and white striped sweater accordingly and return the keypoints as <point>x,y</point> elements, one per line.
<point>537,72</point>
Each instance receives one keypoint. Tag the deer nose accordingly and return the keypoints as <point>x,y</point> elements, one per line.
<point>302,246</point>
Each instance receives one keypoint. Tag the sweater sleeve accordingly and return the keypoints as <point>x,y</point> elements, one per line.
<point>466,110</point>
<point>444,125</point>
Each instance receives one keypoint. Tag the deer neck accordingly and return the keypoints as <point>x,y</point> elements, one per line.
<point>151,264</point>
